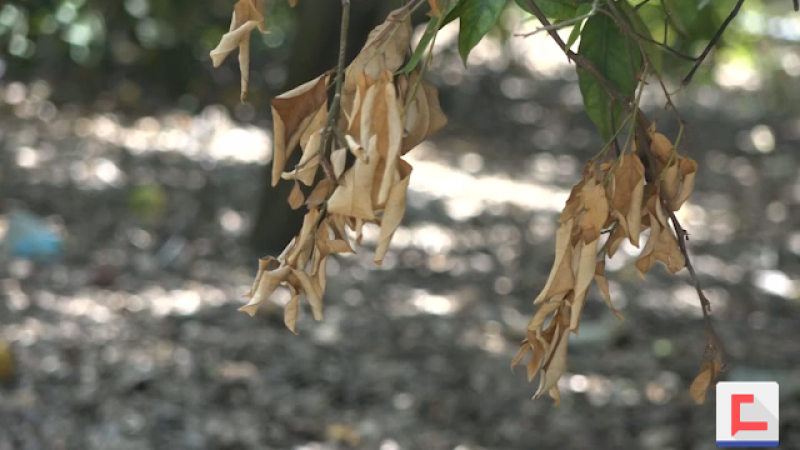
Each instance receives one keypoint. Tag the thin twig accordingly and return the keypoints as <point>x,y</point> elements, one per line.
<point>563,24</point>
<point>665,46</point>
<point>580,60</point>
<point>333,112</point>
<point>712,42</point>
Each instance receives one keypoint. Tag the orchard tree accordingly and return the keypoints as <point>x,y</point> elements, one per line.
<point>353,125</point>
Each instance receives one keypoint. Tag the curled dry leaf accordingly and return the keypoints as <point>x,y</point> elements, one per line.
<point>292,113</point>
<point>373,189</point>
<point>602,283</point>
<point>593,197</point>
<point>296,196</point>
<point>246,17</point>
<point>394,211</point>
<point>381,126</point>
<point>688,169</point>
<point>291,311</point>
<point>269,281</point>
<point>320,193</point>
<point>626,203</point>
<point>384,50</point>
<point>424,116</point>
<point>353,198</point>
<point>699,388</point>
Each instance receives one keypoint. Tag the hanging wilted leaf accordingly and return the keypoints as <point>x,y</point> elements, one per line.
<point>584,276</point>
<point>688,168</point>
<point>268,283</point>
<point>594,200</point>
<point>246,17</point>
<point>290,313</point>
<point>384,50</point>
<point>628,194</point>
<point>296,196</point>
<point>353,198</point>
<point>602,283</point>
<point>292,113</point>
<point>424,116</point>
<point>394,211</point>
<point>556,365</point>
<point>562,243</point>
<point>320,193</point>
<point>381,126</point>
<point>699,388</point>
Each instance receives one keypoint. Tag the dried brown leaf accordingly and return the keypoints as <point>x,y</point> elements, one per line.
<point>424,116</point>
<point>245,18</point>
<point>593,196</point>
<point>292,113</point>
<point>353,198</point>
<point>394,211</point>
<point>585,273</point>
<point>602,283</point>
<point>688,168</point>
<point>628,195</point>
<point>320,193</point>
<point>384,50</point>
<point>269,281</point>
<point>671,183</point>
<point>312,291</point>
<point>339,161</point>
<point>556,365</point>
<point>304,241</point>
<point>524,349</point>
<point>708,373</point>
<point>562,244</point>
<point>296,198</point>
<point>290,313</point>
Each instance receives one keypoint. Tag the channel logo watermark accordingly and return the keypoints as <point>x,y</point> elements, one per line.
<point>747,414</point>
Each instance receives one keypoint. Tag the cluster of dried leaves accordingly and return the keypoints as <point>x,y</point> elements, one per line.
<point>384,114</point>
<point>613,198</point>
<point>364,180</point>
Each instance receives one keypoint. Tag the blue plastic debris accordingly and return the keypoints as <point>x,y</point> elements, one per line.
<point>30,237</point>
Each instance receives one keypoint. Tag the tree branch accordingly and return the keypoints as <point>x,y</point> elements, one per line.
<point>713,42</point>
<point>333,112</point>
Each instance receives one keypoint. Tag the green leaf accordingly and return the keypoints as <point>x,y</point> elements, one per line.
<point>434,25</point>
<point>693,19</point>
<point>654,52</point>
<point>477,18</point>
<point>573,35</point>
<point>427,37</point>
<point>557,9</point>
<point>617,58</point>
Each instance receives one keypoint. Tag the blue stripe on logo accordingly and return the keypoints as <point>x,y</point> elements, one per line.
<point>747,443</point>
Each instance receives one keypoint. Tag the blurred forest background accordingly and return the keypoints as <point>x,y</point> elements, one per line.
<point>143,177</point>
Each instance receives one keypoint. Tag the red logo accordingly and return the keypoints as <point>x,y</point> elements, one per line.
<point>737,424</point>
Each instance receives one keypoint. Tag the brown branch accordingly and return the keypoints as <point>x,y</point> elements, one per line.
<point>333,112</point>
<point>712,43</point>
<point>580,60</point>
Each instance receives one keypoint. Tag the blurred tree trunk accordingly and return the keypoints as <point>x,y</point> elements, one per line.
<point>314,52</point>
